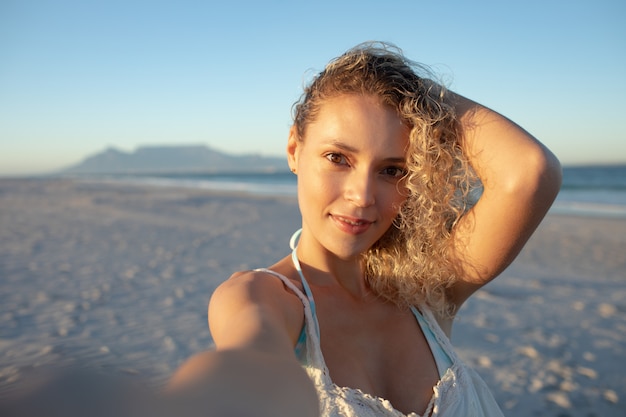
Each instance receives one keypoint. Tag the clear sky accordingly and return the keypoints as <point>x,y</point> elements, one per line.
<point>79,76</point>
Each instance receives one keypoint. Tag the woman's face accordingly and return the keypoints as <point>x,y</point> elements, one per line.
<point>350,165</point>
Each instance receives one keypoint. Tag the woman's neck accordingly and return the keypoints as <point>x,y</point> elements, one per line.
<point>322,268</point>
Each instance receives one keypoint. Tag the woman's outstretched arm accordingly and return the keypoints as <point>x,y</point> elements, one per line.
<point>253,370</point>
<point>521,179</point>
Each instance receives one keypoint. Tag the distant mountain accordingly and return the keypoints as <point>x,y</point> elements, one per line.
<point>174,159</point>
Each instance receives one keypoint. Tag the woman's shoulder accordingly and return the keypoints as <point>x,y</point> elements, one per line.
<point>277,280</point>
<point>263,291</point>
<point>264,284</point>
<point>267,287</point>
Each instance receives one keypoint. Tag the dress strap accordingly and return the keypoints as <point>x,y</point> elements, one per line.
<point>305,284</point>
<point>307,346</point>
<point>442,358</point>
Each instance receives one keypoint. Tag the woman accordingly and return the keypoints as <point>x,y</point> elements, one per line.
<point>390,248</point>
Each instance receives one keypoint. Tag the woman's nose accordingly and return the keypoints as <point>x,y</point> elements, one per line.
<point>360,189</point>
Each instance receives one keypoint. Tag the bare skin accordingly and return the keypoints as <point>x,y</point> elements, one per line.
<point>348,195</point>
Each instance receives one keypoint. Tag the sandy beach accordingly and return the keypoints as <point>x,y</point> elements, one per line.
<point>117,277</point>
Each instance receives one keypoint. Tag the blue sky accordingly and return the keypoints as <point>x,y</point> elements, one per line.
<point>79,76</point>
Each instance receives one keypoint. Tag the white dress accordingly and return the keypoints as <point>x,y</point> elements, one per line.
<point>459,393</point>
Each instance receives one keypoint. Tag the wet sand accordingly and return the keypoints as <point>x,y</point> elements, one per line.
<point>117,278</point>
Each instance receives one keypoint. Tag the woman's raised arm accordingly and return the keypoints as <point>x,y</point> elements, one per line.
<point>521,179</point>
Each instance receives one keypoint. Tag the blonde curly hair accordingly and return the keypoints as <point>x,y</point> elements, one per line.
<point>412,263</point>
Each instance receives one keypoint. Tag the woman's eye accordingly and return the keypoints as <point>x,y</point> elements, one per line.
<point>395,172</point>
<point>336,158</point>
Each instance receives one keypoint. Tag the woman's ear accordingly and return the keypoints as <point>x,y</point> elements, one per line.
<point>293,147</point>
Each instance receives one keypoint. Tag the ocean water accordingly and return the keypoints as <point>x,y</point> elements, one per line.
<point>593,191</point>
<point>273,184</point>
<point>586,191</point>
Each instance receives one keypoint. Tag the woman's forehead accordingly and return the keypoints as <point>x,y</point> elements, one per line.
<point>356,122</point>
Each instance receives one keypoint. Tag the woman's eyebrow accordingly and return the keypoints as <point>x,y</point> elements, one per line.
<point>343,146</point>
<point>396,160</point>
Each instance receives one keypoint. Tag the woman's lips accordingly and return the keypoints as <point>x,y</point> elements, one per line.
<point>350,224</point>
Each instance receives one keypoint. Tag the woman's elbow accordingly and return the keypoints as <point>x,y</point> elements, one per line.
<point>549,173</point>
<point>540,176</point>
